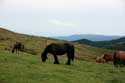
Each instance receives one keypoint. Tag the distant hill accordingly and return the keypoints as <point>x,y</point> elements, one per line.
<point>116,44</point>
<point>91,37</point>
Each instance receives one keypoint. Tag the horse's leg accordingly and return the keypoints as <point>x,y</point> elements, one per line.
<point>16,50</point>
<point>69,59</point>
<point>19,50</point>
<point>56,59</point>
<point>116,65</point>
<point>13,50</point>
<point>116,62</point>
<point>120,63</point>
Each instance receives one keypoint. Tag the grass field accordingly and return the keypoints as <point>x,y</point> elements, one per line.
<point>26,68</point>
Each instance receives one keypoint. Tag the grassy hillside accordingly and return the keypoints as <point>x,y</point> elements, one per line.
<point>117,44</point>
<point>26,68</point>
<point>35,45</point>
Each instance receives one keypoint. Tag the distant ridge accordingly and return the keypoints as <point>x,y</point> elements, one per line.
<point>91,37</point>
<point>115,44</point>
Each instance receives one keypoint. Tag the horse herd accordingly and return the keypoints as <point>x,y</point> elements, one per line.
<point>54,49</point>
<point>118,57</point>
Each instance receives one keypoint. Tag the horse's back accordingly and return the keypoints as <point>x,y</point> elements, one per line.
<point>60,49</point>
<point>119,57</point>
<point>57,47</point>
<point>108,56</point>
<point>69,46</point>
<point>63,46</point>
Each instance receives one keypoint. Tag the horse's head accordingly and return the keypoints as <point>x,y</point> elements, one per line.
<point>100,59</point>
<point>44,56</point>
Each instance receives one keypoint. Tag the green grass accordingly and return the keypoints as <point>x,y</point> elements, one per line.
<point>26,68</point>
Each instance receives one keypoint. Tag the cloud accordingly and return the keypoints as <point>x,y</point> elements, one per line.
<point>63,16</point>
<point>1,2</point>
<point>63,4</point>
<point>62,23</point>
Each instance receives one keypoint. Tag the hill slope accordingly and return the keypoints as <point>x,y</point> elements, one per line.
<point>117,44</point>
<point>35,45</point>
<point>26,68</point>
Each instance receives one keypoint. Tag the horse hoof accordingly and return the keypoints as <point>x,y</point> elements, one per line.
<point>56,63</point>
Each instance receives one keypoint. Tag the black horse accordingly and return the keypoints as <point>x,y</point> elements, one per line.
<point>18,46</point>
<point>59,49</point>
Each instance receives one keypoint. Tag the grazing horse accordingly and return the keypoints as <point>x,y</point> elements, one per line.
<point>18,46</point>
<point>100,59</point>
<point>104,58</point>
<point>59,49</point>
<point>108,57</point>
<point>119,58</point>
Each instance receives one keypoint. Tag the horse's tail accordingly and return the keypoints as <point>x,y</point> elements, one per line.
<point>115,59</point>
<point>72,53</point>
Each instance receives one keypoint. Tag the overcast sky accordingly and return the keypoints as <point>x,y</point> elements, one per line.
<point>63,17</point>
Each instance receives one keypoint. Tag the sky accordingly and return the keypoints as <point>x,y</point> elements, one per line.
<point>63,17</point>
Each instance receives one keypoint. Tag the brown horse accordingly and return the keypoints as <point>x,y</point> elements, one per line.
<point>104,58</point>
<point>119,58</point>
<point>59,49</point>
<point>108,57</point>
<point>99,59</point>
<point>18,46</point>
